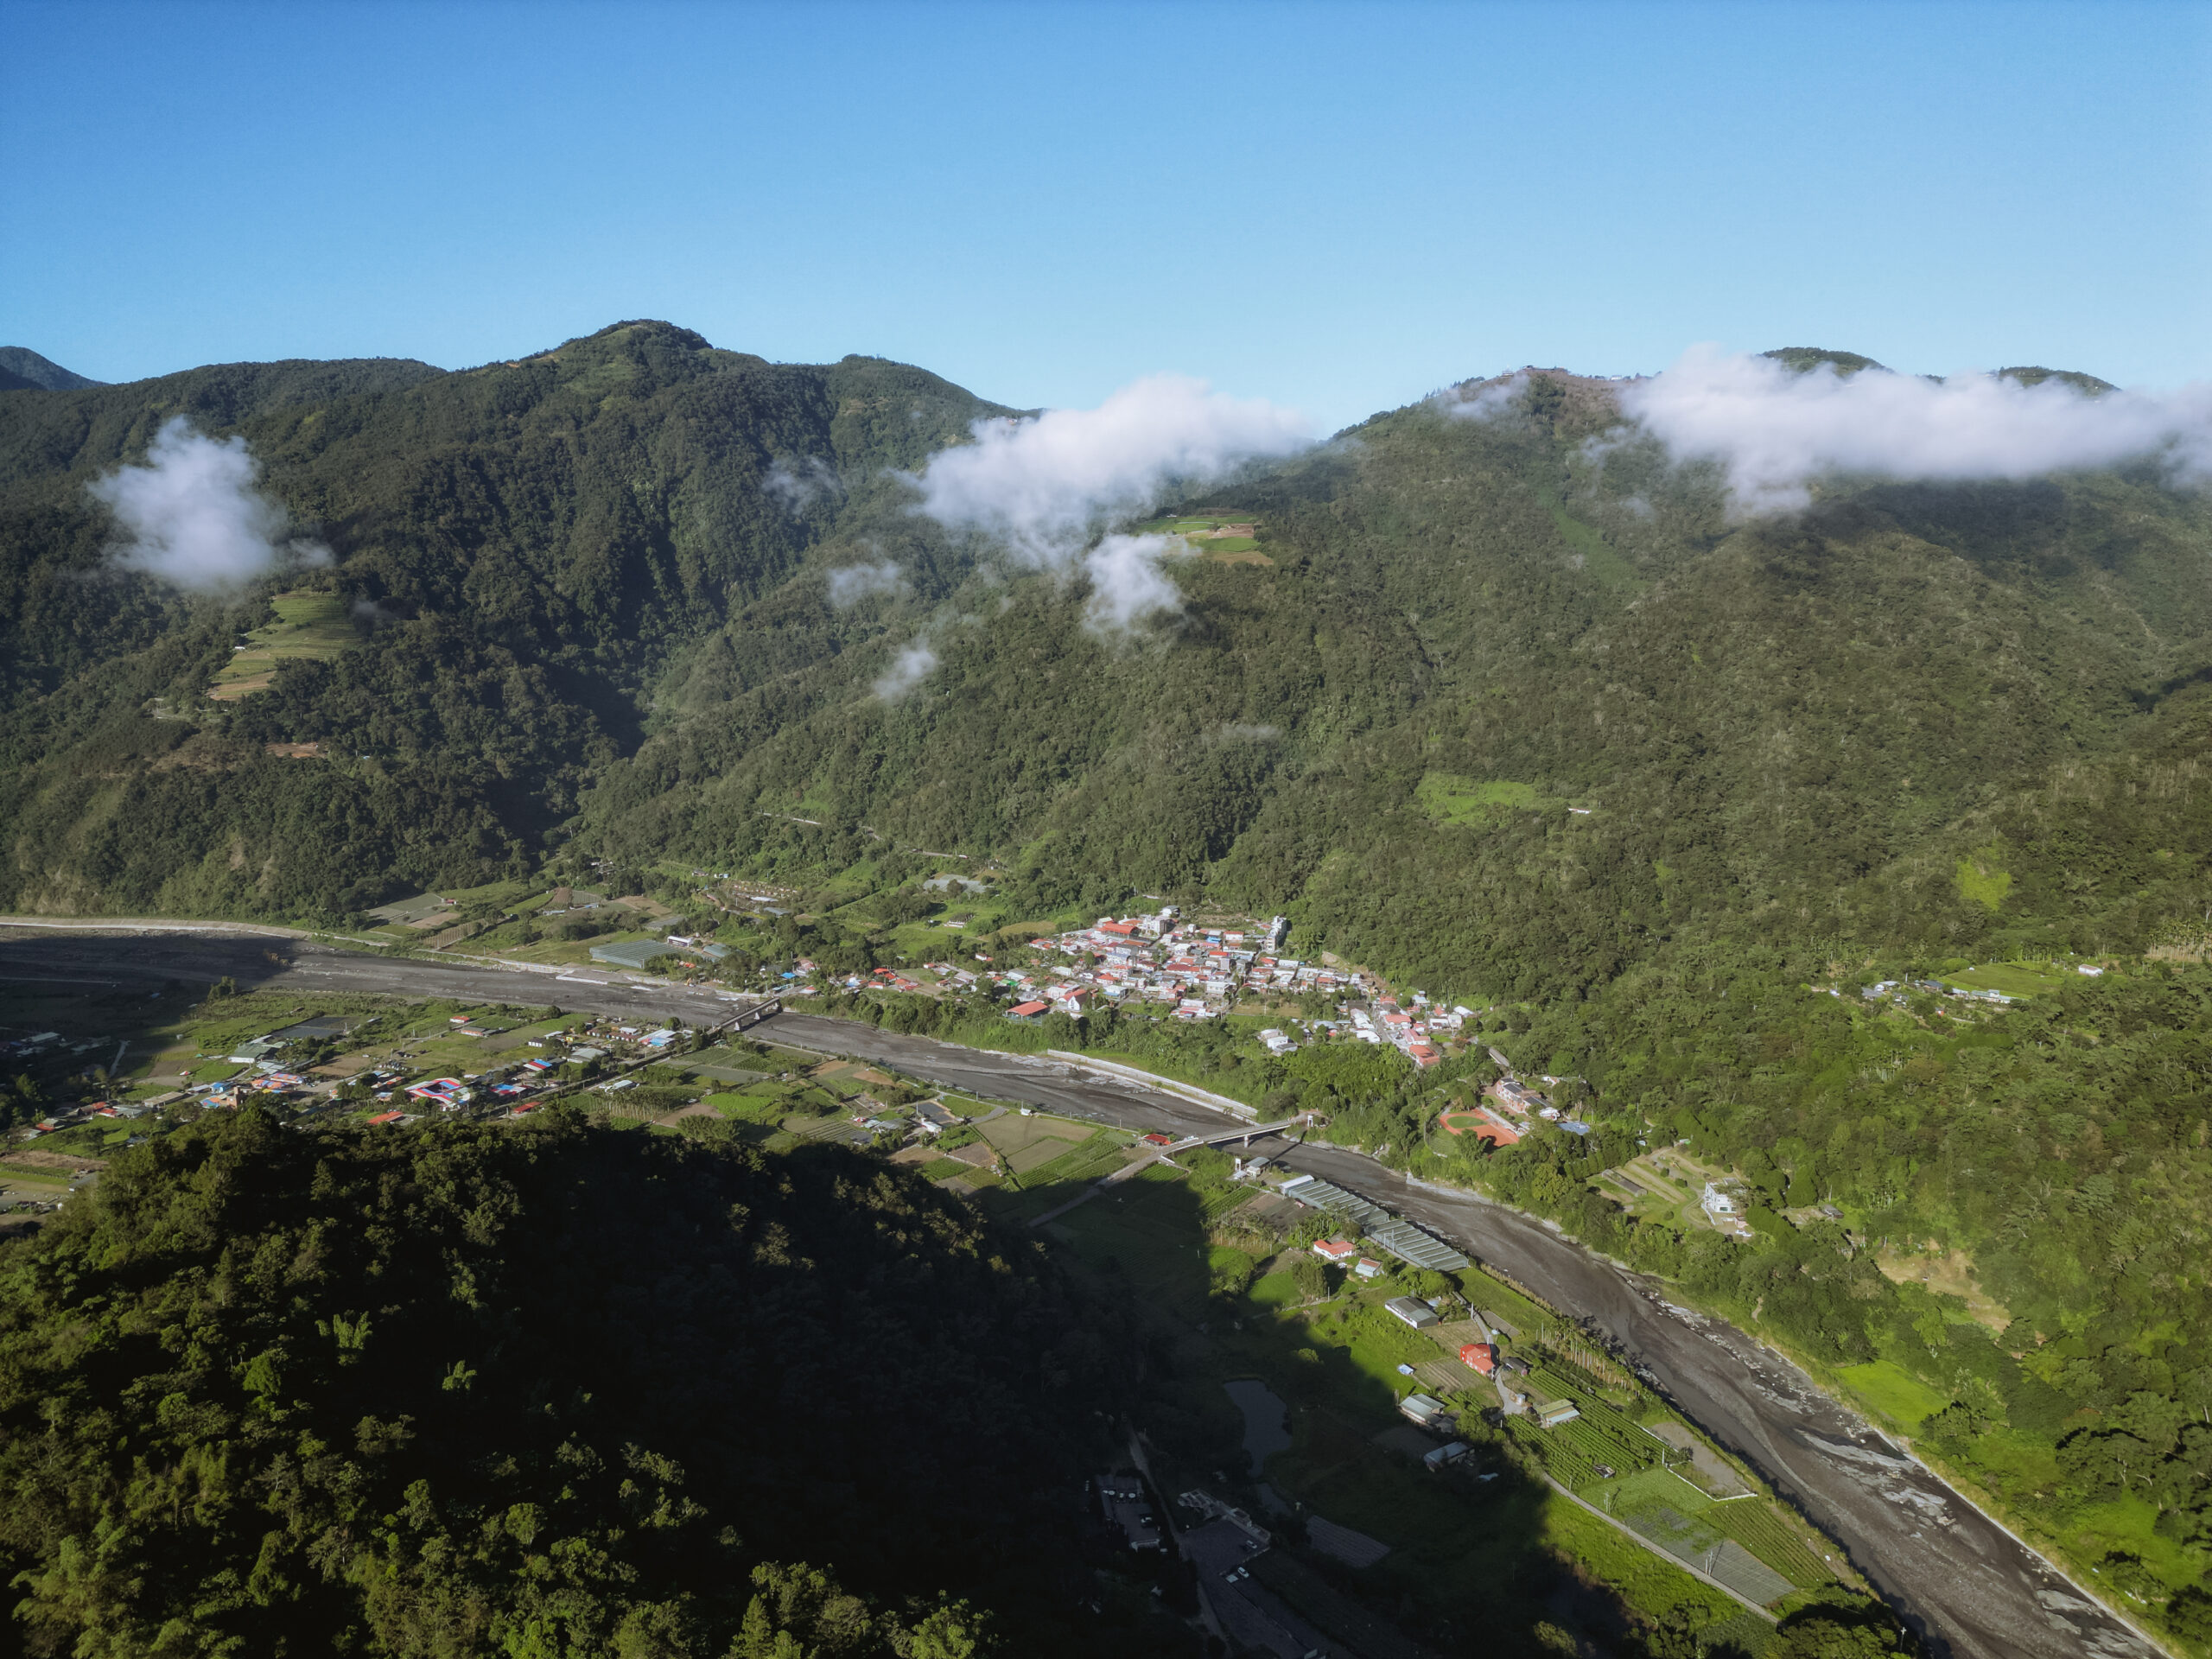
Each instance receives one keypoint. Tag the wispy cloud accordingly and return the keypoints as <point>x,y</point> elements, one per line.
<point>1774,431</point>
<point>1485,402</point>
<point>851,583</point>
<point>796,482</point>
<point>194,517</point>
<point>908,670</point>
<point>1128,586</point>
<point>1048,487</point>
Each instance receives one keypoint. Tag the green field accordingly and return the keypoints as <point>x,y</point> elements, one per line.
<point>310,627</point>
<point>1645,1581</point>
<point>1891,1392</point>
<point>1027,1143</point>
<point>1754,1523</point>
<point>2015,978</point>
<point>1449,797</point>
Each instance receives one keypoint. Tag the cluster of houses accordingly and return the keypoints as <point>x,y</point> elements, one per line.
<point>1895,989</point>
<point>1196,971</point>
<point>1414,1031</point>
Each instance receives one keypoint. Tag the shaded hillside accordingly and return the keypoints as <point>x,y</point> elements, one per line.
<point>554,1390</point>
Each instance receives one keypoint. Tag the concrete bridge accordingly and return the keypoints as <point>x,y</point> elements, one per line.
<point>754,1015</point>
<point>1243,1133</point>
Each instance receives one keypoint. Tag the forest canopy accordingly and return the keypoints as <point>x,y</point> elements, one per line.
<point>549,1391</point>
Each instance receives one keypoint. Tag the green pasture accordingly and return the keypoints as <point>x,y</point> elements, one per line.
<point>2016,978</point>
<point>1451,798</point>
<point>1892,1393</point>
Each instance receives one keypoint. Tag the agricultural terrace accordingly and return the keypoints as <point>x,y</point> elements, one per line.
<point>309,627</point>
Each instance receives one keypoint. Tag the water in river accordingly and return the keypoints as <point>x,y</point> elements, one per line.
<point>1267,1425</point>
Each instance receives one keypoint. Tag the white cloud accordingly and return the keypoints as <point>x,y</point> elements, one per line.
<point>1487,402</point>
<point>194,516</point>
<point>1048,485</point>
<point>1127,586</point>
<point>1774,431</point>
<point>908,670</point>
<point>795,483</point>
<point>854,582</point>
<point>1238,731</point>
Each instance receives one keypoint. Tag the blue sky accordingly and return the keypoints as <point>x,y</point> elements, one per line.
<point>1339,207</point>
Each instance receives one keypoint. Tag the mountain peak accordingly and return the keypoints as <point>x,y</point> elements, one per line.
<point>1806,359</point>
<point>22,369</point>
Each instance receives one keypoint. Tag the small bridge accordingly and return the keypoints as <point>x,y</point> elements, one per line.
<point>1244,1133</point>
<point>754,1015</point>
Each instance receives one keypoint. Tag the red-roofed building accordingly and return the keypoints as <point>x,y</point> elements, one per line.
<point>1338,1251</point>
<point>387,1117</point>
<point>1028,1014</point>
<point>1482,1356</point>
<point>1156,1138</point>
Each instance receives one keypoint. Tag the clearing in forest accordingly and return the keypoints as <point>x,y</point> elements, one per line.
<point>309,627</point>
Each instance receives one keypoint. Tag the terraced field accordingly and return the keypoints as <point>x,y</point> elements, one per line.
<point>309,627</point>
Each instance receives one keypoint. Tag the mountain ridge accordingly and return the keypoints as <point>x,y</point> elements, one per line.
<point>23,369</point>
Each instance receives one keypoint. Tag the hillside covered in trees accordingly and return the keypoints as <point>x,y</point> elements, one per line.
<point>549,1391</point>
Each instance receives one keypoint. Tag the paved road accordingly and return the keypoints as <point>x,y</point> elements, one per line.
<point>1964,1582</point>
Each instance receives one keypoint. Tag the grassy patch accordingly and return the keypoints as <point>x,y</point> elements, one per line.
<point>1890,1392</point>
<point>1982,879</point>
<point>1646,1581</point>
<point>1597,554</point>
<point>1450,798</point>
<point>2014,978</point>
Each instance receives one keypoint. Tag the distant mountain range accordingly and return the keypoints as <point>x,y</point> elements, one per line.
<point>598,602</point>
<point>24,370</point>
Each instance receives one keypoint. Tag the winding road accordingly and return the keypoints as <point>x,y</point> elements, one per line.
<point>1970,1588</point>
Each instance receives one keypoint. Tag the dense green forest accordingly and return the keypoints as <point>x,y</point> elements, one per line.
<point>559,1391</point>
<point>521,547</point>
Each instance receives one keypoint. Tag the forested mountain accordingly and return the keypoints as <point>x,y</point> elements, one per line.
<point>1509,704</point>
<point>549,1392</point>
<point>519,548</point>
<point>589,600</point>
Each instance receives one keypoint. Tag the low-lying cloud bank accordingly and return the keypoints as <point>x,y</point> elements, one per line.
<point>194,517</point>
<point>908,670</point>
<point>851,583</point>
<point>1774,431</point>
<point>1048,484</point>
<point>1055,489</point>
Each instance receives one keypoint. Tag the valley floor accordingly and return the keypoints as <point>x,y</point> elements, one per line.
<point>1969,1586</point>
